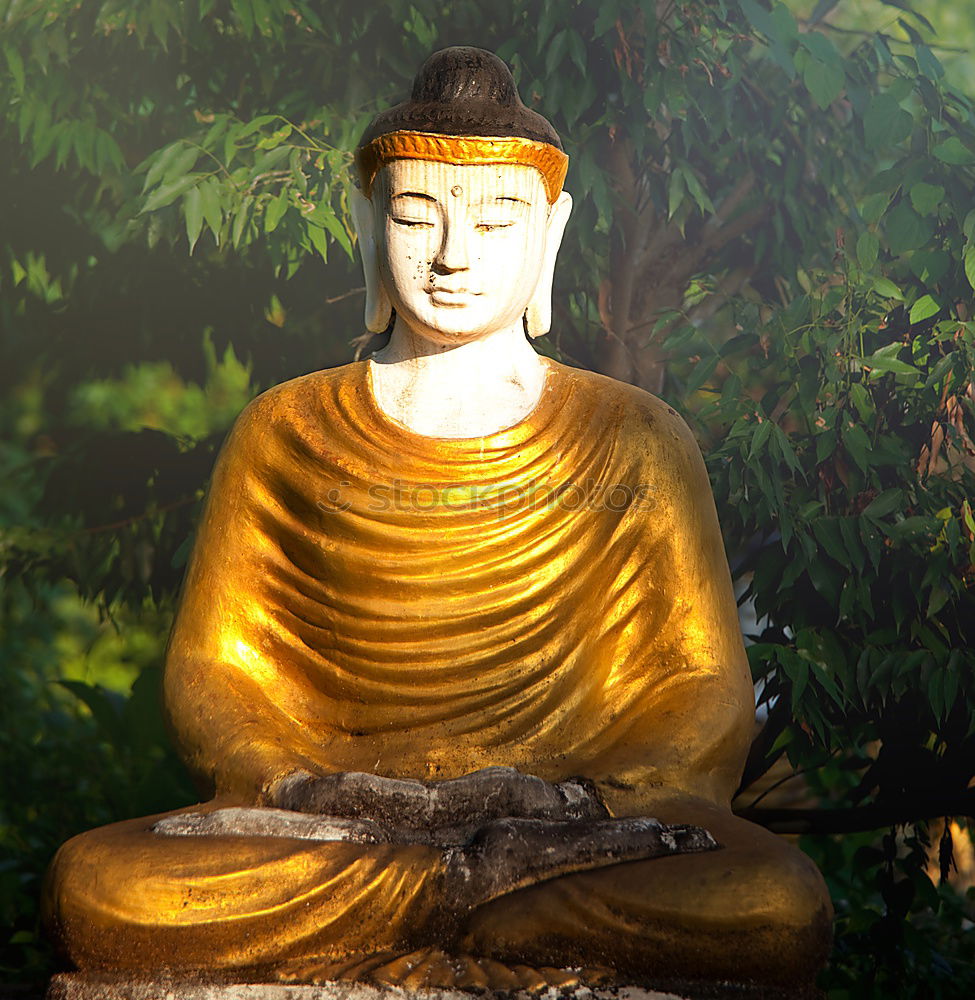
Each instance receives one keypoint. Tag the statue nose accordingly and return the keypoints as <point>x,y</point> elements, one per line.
<point>452,255</point>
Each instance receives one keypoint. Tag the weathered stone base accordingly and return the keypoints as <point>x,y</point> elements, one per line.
<point>76,986</point>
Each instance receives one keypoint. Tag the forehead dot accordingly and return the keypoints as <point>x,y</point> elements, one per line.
<point>456,190</point>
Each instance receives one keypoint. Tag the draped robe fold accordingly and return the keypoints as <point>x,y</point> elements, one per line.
<point>552,597</point>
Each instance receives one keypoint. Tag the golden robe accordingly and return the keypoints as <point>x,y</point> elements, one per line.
<point>553,597</point>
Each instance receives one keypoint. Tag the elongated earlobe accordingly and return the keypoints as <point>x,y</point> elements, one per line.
<point>378,307</point>
<point>538,315</point>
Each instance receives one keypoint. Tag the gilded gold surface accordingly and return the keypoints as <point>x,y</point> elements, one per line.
<point>551,162</point>
<point>553,597</point>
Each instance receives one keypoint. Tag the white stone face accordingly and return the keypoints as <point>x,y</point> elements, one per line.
<point>460,248</point>
<point>465,255</point>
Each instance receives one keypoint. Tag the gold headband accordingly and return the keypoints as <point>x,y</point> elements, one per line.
<point>552,163</point>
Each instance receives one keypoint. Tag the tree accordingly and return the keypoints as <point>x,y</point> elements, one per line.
<point>773,229</point>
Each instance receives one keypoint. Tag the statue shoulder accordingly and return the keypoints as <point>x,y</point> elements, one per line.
<point>646,420</point>
<point>293,400</point>
<point>298,407</point>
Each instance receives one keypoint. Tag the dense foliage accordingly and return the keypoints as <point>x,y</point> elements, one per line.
<point>774,228</point>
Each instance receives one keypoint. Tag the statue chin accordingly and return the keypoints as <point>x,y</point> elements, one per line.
<point>457,650</point>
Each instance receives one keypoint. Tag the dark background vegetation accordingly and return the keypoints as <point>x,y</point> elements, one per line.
<point>774,229</point>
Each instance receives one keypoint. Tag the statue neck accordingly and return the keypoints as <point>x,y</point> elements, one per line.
<point>469,390</point>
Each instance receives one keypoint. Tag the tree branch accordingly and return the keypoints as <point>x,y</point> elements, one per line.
<point>876,816</point>
<point>733,200</point>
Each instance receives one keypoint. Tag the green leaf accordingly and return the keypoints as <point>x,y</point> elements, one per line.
<point>545,25</point>
<point>797,670</point>
<point>827,532</point>
<point>968,226</point>
<point>316,236</point>
<point>824,81</point>
<point>230,145</point>
<point>940,370</point>
<point>887,351</point>
<point>967,516</point>
<point>930,265</point>
<point>868,248</point>
<point>874,206</point>
<point>675,192</point>
<point>886,288</point>
<point>703,370</point>
<point>556,50</point>
<point>862,401</point>
<point>217,129</point>
<point>308,13</point>
<point>781,440</point>
<point>760,438</point>
<point>851,539</point>
<point>925,307</point>
<point>109,151</point>
<point>906,230</point>
<point>212,209</point>
<point>857,443</point>
<point>245,15</point>
<point>181,164</point>
<point>15,64</point>
<point>782,57</point>
<point>605,19</point>
<point>252,126</point>
<point>160,163</point>
<point>240,221</point>
<point>166,194</point>
<point>821,48</point>
<point>829,685</point>
<point>926,197</point>
<point>970,265</point>
<point>697,192</point>
<point>954,152</point>
<point>909,8</point>
<point>295,159</point>
<point>912,528</point>
<point>901,88</point>
<point>873,541</point>
<point>952,674</point>
<point>276,138</point>
<point>337,230</point>
<point>267,161</point>
<point>760,19</point>
<point>577,51</point>
<point>883,361</point>
<point>65,136</point>
<point>784,26</point>
<point>193,212</point>
<point>937,600</point>
<point>159,20</point>
<point>275,210</point>
<point>885,122</point>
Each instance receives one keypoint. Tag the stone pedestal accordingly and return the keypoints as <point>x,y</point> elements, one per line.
<point>75,986</point>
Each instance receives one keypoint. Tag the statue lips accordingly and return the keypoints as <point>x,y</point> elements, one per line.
<point>450,297</point>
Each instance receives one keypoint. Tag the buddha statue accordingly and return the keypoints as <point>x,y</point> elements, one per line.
<point>457,655</point>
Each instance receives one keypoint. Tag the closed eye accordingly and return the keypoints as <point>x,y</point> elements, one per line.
<point>490,227</point>
<point>413,223</point>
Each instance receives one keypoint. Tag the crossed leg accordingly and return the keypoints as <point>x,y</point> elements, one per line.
<point>125,898</point>
<point>756,911</point>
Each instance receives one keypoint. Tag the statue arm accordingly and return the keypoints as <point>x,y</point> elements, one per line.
<point>222,686</point>
<point>689,734</point>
